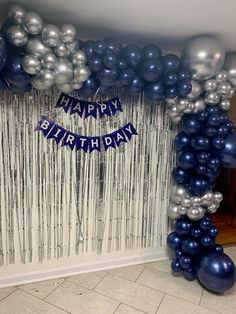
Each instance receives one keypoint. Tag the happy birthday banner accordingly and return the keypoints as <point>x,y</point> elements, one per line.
<point>51,130</point>
<point>85,109</point>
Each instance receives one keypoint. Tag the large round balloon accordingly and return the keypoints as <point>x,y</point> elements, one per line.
<point>228,153</point>
<point>3,53</point>
<point>230,67</point>
<point>204,57</point>
<point>216,271</point>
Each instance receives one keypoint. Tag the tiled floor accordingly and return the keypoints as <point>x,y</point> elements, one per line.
<point>149,288</point>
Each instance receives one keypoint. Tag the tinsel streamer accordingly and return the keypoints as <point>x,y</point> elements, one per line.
<point>59,203</point>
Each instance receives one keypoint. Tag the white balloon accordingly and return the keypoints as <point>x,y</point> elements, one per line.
<point>172,211</point>
<point>196,213</point>
<point>221,76</point>
<point>78,58</point>
<point>225,104</point>
<point>218,197</point>
<point>210,85</point>
<point>199,105</point>
<point>61,50</point>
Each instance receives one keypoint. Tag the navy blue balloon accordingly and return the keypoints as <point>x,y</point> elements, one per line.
<point>196,233</point>
<point>110,60</point>
<point>136,86</point>
<point>210,131</point>
<point>213,109</point>
<point>216,271</point>
<point>155,91</point>
<point>212,173</point>
<point>170,78</point>
<point>202,116</point>
<point>20,89</point>
<point>95,63</point>
<point>205,223</point>
<point>182,140</point>
<point>3,53</point>
<point>214,163</point>
<point>89,87</point>
<point>185,262</point>
<point>132,55</point>
<point>174,240</point>
<point>218,248</point>
<point>121,64</point>
<point>186,159</point>
<point>213,232</point>
<point>99,47</point>
<point>218,142</point>
<point>200,142</point>
<point>3,84</point>
<point>175,266</point>
<point>107,77</point>
<point>198,185</point>
<point>88,48</point>
<point>180,175</point>
<point>113,45</point>
<point>207,241</point>
<point>171,92</point>
<point>151,70</point>
<point>222,130</point>
<point>184,76</point>
<point>190,247</point>
<point>184,88</point>
<point>189,274</point>
<point>183,226</point>
<point>126,76</point>
<point>214,119</point>
<point>151,51</point>
<point>229,125</point>
<point>201,169</point>
<point>190,125</point>
<point>171,62</point>
<point>228,153</point>
<point>178,253</point>
<point>203,157</point>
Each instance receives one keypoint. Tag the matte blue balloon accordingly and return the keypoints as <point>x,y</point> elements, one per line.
<point>189,274</point>
<point>95,63</point>
<point>180,175</point>
<point>126,76</point>
<point>174,240</point>
<point>89,87</point>
<point>202,116</point>
<point>113,45</point>
<point>216,271</point>
<point>190,125</point>
<point>214,119</point>
<point>205,223</point>
<point>155,91</point>
<point>171,62</point>
<point>186,159</point>
<point>196,233</point>
<point>218,248</point>
<point>88,48</point>
<point>171,92</point>
<point>20,89</point>
<point>184,76</point>
<point>151,51</point>
<point>190,247</point>
<point>132,55</point>
<point>207,241</point>
<point>203,157</point>
<point>175,266</point>
<point>182,140</point>
<point>228,153</point>
<point>99,47</point>
<point>170,78</point>
<point>198,185</point>
<point>218,142</point>
<point>184,88</point>
<point>200,142</point>
<point>210,131</point>
<point>183,226</point>
<point>185,262</point>
<point>3,53</point>
<point>136,86</point>
<point>107,77</point>
<point>213,232</point>
<point>151,70</point>
<point>110,60</point>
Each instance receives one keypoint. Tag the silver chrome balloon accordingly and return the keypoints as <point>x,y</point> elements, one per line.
<point>225,104</point>
<point>196,201</point>
<point>223,88</point>
<point>36,46</point>
<point>49,60</point>
<point>16,13</point>
<point>182,104</point>
<point>51,35</point>
<point>196,213</point>
<point>212,98</point>
<point>17,36</point>
<point>61,50</point>
<point>204,57</point>
<point>230,67</point>
<point>65,88</point>
<point>218,197</point>
<point>44,80</point>
<point>207,199</point>
<point>186,202</point>
<point>210,85</point>
<point>73,47</point>
<point>31,64</point>
<point>176,119</point>
<point>172,211</point>
<point>182,210</point>
<point>200,105</point>
<point>81,73</point>
<point>196,90</point>
<point>190,108</point>
<point>68,33</point>
<point>63,71</point>
<point>76,84</point>
<point>222,76</point>
<point>212,208</point>
<point>79,58</point>
<point>32,23</point>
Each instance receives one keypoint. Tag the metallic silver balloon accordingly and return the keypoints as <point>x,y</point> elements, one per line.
<point>171,101</point>
<point>72,47</point>
<point>230,67</point>
<point>204,57</point>
<point>212,98</point>
<point>17,36</point>
<point>225,104</point>
<point>196,201</point>
<point>16,13</point>
<point>182,104</point>
<point>196,213</point>
<point>182,210</point>
<point>186,202</point>
<point>222,76</point>
<point>176,119</point>
<point>51,35</point>
<point>173,111</point>
<point>79,58</point>
<point>49,60</point>
<point>196,90</point>
<point>63,71</point>
<point>61,50</point>
<point>35,46</point>
<point>218,197</point>
<point>223,88</point>
<point>200,105</point>
<point>230,93</point>
<point>207,199</point>
<point>44,80</point>
<point>65,88</point>
<point>33,23</point>
<point>212,208</point>
<point>31,64</point>
<point>190,108</point>
<point>178,192</point>
<point>81,73</point>
<point>210,85</point>
<point>172,211</point>
<point>68,33</point>
<point>76,84</point>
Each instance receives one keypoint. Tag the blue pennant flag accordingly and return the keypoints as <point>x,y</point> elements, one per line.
<point>115,105</point>
<point>57,133</point>
<point>108,141</point>
<point>78,107</point>
<point>104,109</point>
<point>94,143</point>
<point>129,130</point>
<point>70,140</point>
<point>45,125</point>
<point>91,109</point>
<point>64,101</point>
<point>82,143</point>
<point>119,137</point>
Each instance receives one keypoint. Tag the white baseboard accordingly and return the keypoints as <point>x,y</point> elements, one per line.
<point>14,275</point>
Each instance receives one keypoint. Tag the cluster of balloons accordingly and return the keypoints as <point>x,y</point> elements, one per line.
<point>194,207</point>
<point>197,255</point>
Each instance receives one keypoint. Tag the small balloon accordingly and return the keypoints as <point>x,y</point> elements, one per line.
<point>49,60</point>
<point>73,47</point>
<point>172,211</point>
<point>35,46</point>
<point>63,71</point>
<point>79,58</point>
<point>199,105</point>
<point>68,33</point>
<point>212,98</point>
<point>223,88</point>
<point>222,76</point>
<point>44,80</point>
<point>51,35</point>
<point>210,85</point>
<point>76,84</point>
<point>225,104</point>
<point>32,23</point>
<point>61,50</point>
<point>65,88</point>
<point>195,213</point>
<point>81,73</point>
<point>31,64</point>
<point>16,13</point>
<point>17,36</point>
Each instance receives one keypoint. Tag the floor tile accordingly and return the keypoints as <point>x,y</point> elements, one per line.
<point>129,272</point>
<point>88,280</point>
<point>19,302</point>
<point>225,303</point>
<point>78,300</point>
<point>42,288</point>
<point>4,292</point>
<point>168,283</point>
<point>231,251</point>
<point>173,305</point>
<point>130,293</point>
<point>161,265</point>
<point>125,309</point>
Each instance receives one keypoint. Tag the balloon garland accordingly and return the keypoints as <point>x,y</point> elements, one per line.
<point>196,88</point>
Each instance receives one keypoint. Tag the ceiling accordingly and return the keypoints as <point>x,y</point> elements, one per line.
<point>167,23</point>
